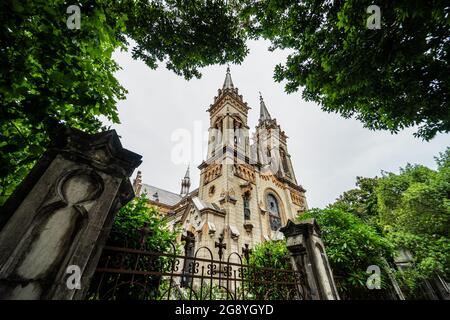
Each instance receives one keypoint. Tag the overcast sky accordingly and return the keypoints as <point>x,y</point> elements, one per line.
<point>328,152</point>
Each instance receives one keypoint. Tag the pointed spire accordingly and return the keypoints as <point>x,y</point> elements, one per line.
<point>185,184</point>
<point>263,112</point>
<point>228,83</point>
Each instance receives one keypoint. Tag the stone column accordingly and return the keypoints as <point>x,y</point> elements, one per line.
<point>57,221</point>
<point>309,258</point>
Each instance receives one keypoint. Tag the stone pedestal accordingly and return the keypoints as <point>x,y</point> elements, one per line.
<point>309,258</point>
<point>58,219</point>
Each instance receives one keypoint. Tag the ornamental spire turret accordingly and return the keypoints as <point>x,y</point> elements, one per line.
<point>263,112</point>
<point>185,183</point>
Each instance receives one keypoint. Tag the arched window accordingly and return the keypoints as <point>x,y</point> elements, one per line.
<point>272,205</point>
<point>274,212</point>
<point>246,198</point>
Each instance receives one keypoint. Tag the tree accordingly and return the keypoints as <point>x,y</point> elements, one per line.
<point>411,210</point>
<point>51,75</point>
<point>352,246</point>
<point>389,78</point>
<point>361,201</point>
<point>133,218</point>
<point>414,211</point>
<point>137,226</point>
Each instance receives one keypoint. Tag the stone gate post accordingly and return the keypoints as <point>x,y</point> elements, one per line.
<point>309,258</point>
<point>54,226</point>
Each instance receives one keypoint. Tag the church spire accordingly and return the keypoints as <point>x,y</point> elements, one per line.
<point>263,113</point>
<point>228,83</point>
<point>185,184</point>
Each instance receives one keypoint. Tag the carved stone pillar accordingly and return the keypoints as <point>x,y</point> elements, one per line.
<point>309,258</point>
<point>61,215</point>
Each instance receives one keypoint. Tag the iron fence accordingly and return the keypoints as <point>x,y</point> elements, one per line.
<point>127,273</point>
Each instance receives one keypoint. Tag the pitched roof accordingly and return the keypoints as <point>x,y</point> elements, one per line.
<point>160,195</point>
<point>200,204</point>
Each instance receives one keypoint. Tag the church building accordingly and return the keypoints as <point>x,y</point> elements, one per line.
<point>247,190</point>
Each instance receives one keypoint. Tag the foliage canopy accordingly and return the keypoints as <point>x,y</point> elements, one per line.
<point>51,75</point>
<point>389,78</point>
<point>405,211</point>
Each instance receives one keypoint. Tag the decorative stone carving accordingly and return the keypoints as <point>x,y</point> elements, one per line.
<point>270,176</point>
<point>297,198</point>
<point>246,187</point>
<point>234,232</point>
<point>248,226</point>
<point>227,196</point>
<point>61,215</point>
<point>245,172</point>
<point>213,172</point>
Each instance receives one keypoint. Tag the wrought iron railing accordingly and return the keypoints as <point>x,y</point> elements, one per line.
<point>125,273</point>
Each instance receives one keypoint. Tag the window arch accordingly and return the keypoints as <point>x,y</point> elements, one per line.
<point>274,211</point>
<point>246,200</point>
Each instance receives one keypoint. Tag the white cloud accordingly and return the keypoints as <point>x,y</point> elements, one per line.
<point>327,151</point>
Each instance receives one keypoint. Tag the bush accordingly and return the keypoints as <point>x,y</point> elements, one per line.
<point>263,275</point>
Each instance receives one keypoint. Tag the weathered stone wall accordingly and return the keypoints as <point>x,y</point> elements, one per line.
<point>61,215</point>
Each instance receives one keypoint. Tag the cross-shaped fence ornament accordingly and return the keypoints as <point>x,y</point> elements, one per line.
<point>221,246</point>
<point>246,252</point>
<point>189,240</point>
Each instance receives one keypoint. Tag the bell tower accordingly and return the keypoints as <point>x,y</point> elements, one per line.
<point>272,149</point>
<point>246,192</point>
<point>228,130</point>
<point>228,151</point>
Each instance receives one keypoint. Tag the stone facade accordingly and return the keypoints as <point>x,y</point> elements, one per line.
<point>247,191</point>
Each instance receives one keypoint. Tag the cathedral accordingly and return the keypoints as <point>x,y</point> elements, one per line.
<point>247,190</point>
